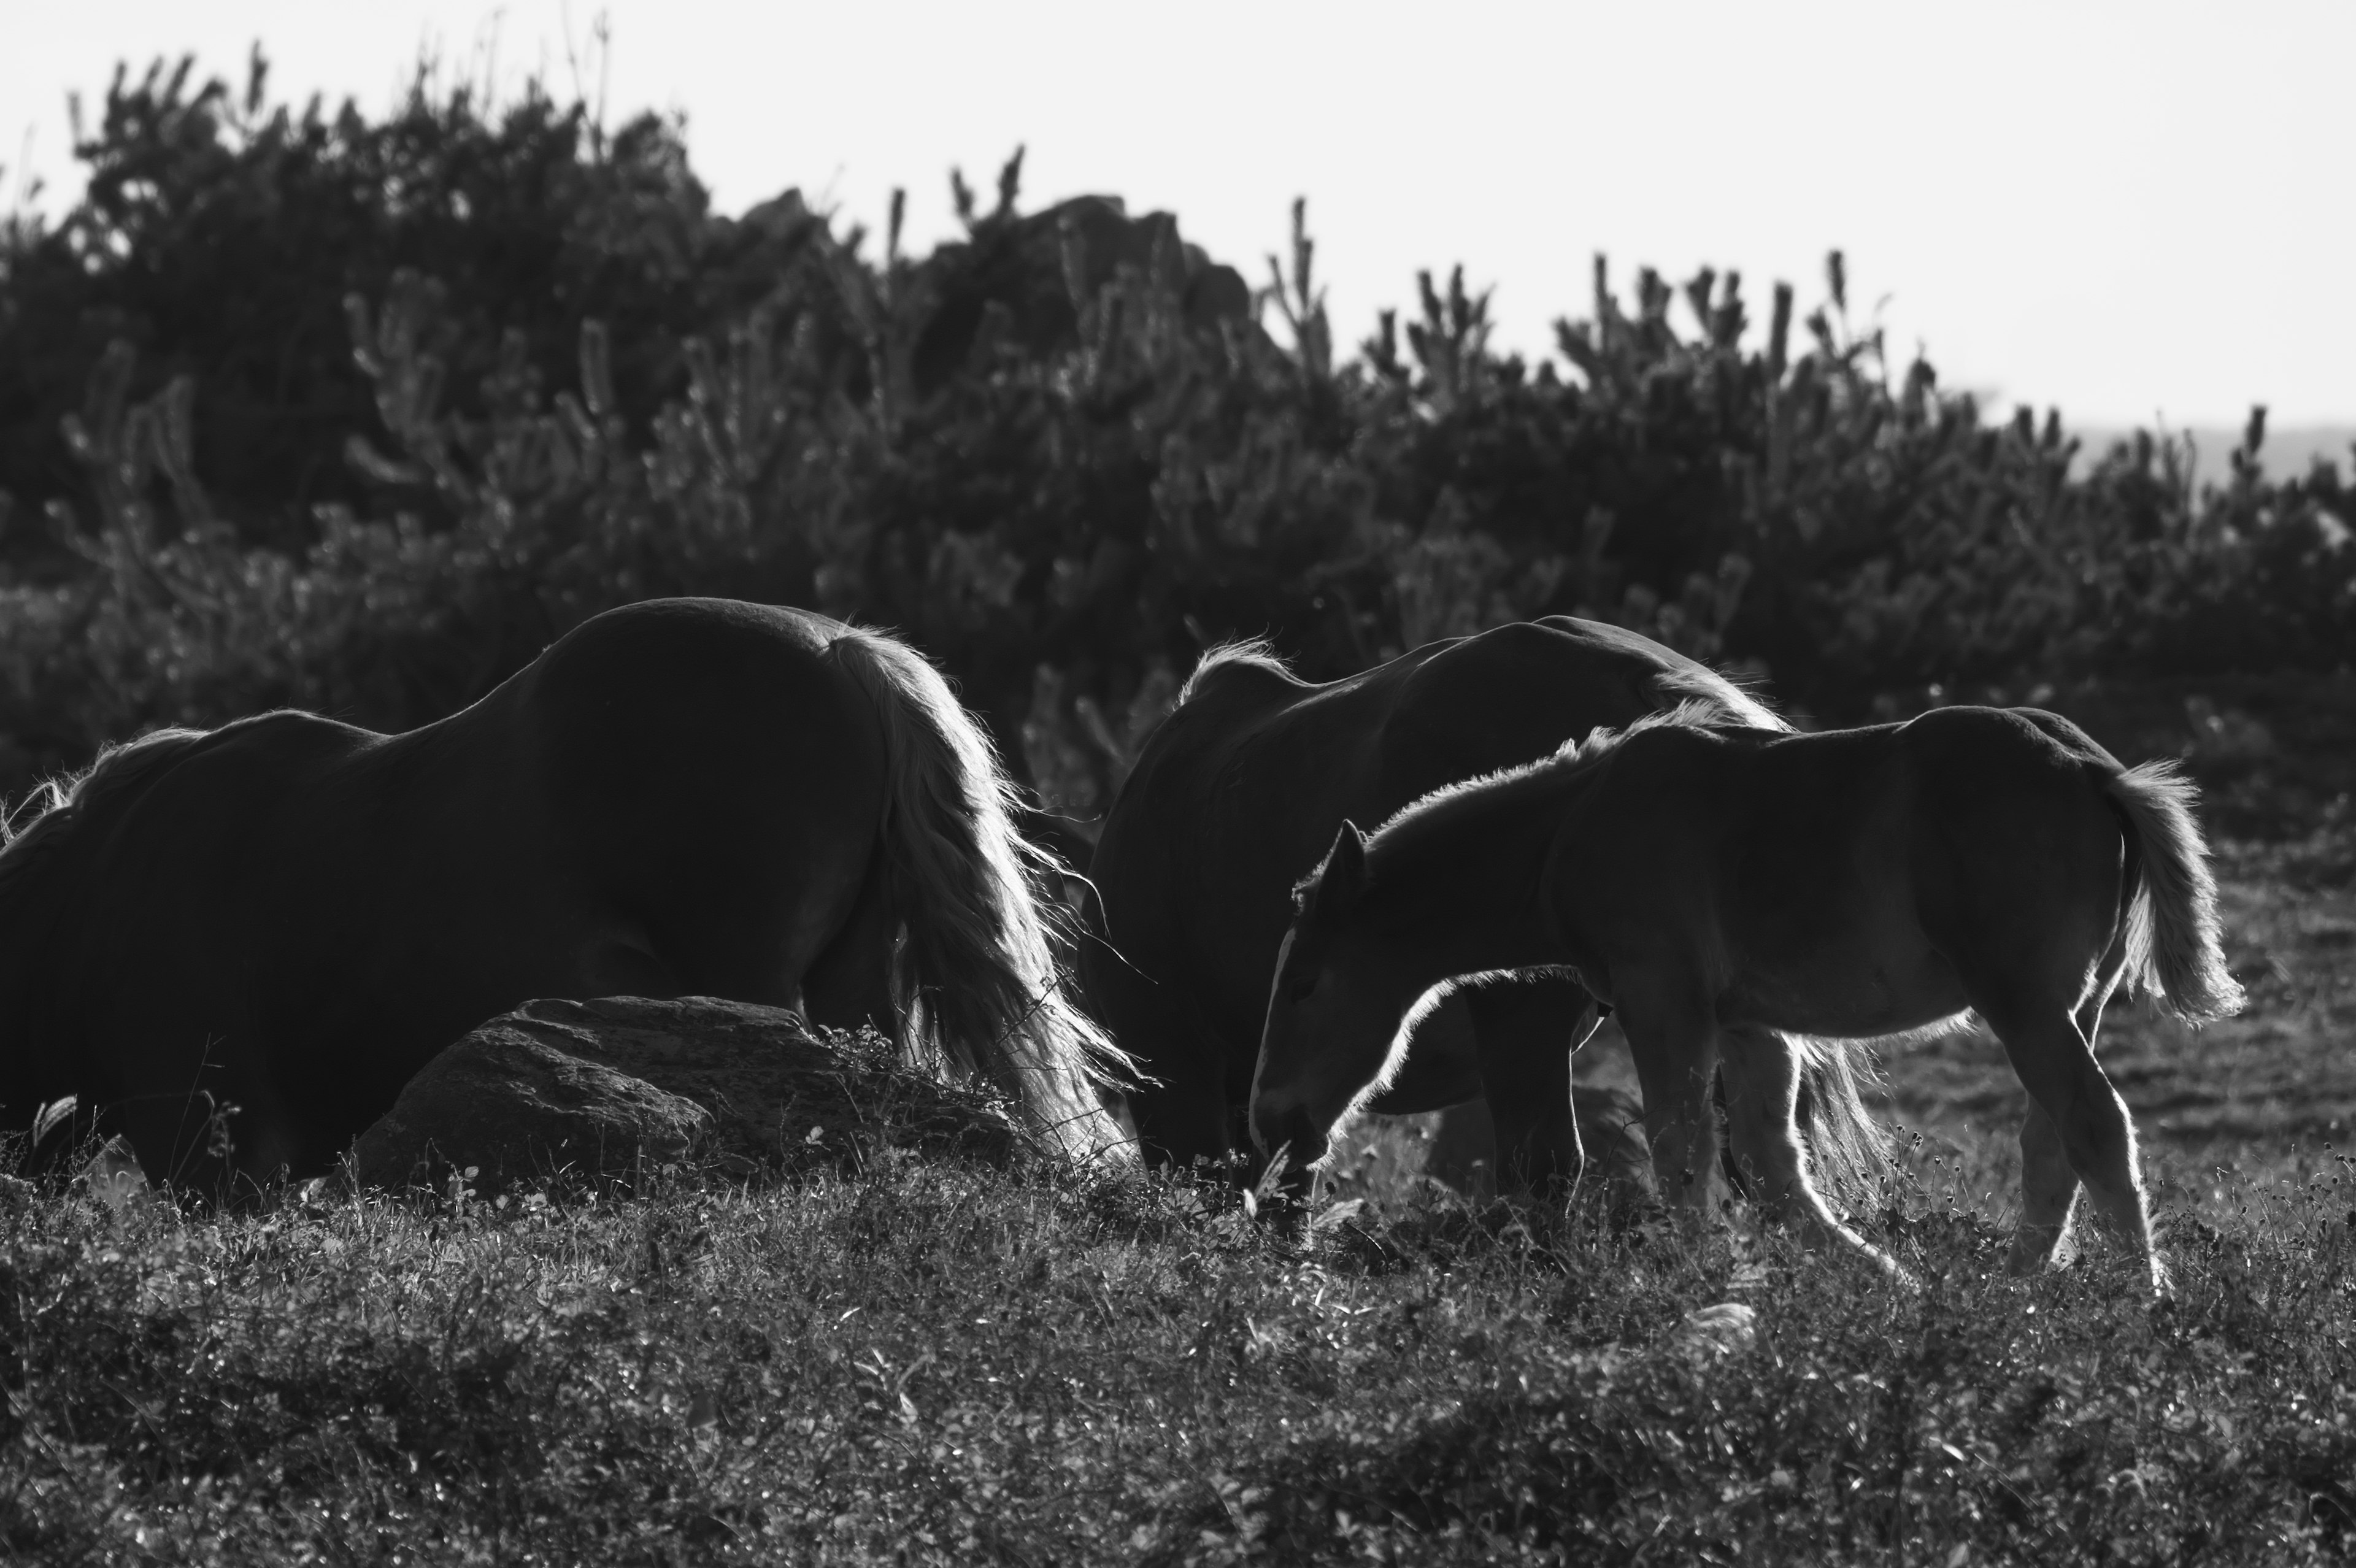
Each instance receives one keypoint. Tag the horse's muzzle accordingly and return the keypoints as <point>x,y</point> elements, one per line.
<point>1291,1130</point>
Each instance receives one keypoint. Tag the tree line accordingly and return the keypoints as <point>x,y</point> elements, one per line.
<point>356,414</point>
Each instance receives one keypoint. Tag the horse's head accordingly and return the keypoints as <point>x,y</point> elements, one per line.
<point>1334,1012</point>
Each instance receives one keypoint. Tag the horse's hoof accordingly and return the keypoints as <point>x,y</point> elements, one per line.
<point>2034,1252</point>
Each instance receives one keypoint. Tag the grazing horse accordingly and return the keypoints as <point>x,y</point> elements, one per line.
<point>1240,791</point>
<point>292,915</point>
<point>1724,888</point>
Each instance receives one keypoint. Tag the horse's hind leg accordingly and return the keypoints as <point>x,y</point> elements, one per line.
<point>1761,1073</point>
<point>2090,1126</point>
<point>2048,1190</point>
<point>2049,1183</point>
<point>850,982</point>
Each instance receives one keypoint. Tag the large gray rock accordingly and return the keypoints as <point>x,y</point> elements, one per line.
<point>611,1086</point>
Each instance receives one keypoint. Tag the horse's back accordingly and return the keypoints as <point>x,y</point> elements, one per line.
<point>1978,739</point>
<point>1838,863</point>
<point>1509,696</point>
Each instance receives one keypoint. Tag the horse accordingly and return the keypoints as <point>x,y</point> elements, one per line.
<point>1241,789</point>
<point>1727,887</point>
<point>694,796</point>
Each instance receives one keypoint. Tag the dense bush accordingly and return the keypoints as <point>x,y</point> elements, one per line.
<point>379,408</point>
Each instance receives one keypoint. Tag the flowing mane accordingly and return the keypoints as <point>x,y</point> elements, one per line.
<point>1244,653</point>
<point>1578,760</point>
<point>1740,706</point>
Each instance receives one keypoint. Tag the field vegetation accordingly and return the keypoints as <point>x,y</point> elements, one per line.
<point>898,1361</point>
<point>878,1358</point>
<point>300,407</point>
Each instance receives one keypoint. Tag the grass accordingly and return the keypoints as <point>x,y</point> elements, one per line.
<point>943,1363</point>
<point>910,1360</point>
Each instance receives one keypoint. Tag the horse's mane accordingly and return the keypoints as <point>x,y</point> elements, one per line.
<point>118,773</point>
<point>1574,760</point>
<point>1248,653</point>
<point>1733,694</point>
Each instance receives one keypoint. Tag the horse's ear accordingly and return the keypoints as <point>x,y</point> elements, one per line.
<point>1344,872</point>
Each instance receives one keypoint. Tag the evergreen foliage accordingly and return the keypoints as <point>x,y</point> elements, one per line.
<point>299,408</point>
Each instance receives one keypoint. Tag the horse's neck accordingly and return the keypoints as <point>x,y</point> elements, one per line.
<point>32,905</point>
<point>1457,894</point>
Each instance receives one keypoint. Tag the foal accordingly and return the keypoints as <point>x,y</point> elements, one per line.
<point>1728,889</point>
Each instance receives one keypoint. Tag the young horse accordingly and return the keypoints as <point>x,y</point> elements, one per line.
<point>1725,888</point>
<point>686,797</point>
<point>1240,791</point>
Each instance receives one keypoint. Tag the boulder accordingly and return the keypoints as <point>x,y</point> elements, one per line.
<point>608,1087</point>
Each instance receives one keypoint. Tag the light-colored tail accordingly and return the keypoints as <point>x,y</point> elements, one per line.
<point>2173,949</point>
<point>976,982</point>
<point>1848,1149</point>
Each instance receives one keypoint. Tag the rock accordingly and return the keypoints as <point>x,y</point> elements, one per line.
<point>607,1087</point>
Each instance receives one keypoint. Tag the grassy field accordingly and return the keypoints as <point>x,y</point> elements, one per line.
<point>936,1363</point>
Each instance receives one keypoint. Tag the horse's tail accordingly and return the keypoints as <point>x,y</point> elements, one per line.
<point>976,982</point>
<point>1849,1148</point>
<point>2173,950</point>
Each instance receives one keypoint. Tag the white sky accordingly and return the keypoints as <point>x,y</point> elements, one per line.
<point>2131,209</point>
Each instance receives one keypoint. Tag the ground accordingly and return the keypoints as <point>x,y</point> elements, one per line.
<point>887,1360</point>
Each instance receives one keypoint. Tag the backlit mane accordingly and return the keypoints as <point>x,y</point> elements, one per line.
<point>1732,694</point>
<point>1576,759</point>
<point>1711,708</point>
<point>118,771</point>
<point>1251,653</point>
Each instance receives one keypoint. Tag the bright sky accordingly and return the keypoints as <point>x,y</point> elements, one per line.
<point>2132,209</point>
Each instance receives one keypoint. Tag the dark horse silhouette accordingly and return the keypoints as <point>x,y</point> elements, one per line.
<point>1241,792</point>
<point>685,797</point>
<point>1727,889</point>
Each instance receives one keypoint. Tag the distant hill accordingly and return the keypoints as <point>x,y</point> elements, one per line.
<point>2286,454</point>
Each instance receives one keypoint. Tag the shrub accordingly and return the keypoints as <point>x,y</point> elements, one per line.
<point>1062,453</point>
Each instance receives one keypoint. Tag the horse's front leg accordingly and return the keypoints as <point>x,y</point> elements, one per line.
<point>1526,1032</point>
<point>1674,1037</point>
